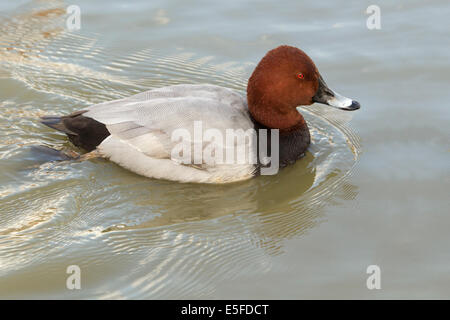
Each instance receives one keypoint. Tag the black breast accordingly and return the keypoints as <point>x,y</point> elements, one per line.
<point>292,144</point>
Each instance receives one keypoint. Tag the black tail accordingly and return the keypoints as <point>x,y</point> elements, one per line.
<point>56,123</point>
<point>84,132</point>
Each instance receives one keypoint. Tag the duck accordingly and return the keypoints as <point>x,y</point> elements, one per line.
<point>156,133</point>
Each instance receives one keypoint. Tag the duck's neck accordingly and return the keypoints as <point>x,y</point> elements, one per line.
<point>282,117</point>
<point>294,137</point>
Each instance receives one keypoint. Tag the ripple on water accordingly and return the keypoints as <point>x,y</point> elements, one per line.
<point>135,237</point>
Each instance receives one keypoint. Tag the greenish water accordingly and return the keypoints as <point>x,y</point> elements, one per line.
<point>373,188</point>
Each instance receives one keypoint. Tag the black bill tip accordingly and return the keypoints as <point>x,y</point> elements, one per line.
<point>354,106</point>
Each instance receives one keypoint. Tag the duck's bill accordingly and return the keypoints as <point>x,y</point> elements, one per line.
<point>327,96</point>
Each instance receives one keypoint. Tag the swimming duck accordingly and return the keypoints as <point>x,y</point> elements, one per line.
<point>137,132</point>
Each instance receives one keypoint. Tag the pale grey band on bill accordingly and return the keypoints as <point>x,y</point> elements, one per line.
<point>327,96</point>
<point>339,101</point>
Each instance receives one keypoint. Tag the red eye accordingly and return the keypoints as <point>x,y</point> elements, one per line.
<point>300,76</point>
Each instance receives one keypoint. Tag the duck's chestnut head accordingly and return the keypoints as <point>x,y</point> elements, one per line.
<point>284,79</point>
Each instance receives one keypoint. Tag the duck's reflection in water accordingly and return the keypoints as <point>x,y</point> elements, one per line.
<point>211,233</point>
